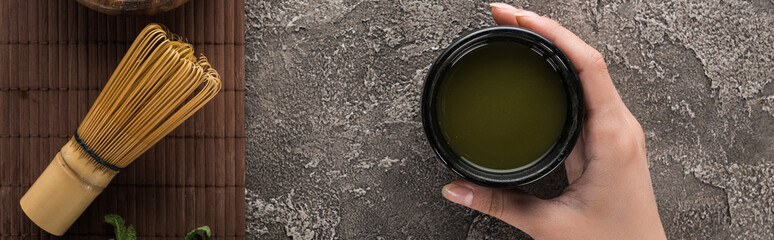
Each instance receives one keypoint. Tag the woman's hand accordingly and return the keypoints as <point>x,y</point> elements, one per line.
<point>610,194</point>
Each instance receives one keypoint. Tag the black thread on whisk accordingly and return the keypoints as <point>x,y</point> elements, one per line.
<point>93,154</point>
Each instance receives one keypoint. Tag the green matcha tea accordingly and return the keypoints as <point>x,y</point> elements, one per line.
<point>501,106</point>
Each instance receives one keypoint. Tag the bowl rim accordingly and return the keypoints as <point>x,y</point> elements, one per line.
<point>541,167</point>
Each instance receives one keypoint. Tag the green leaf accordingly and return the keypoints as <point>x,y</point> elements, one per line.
<point>115,220</point>
<point>194,234</point>
<point>130,233</point>
<point>122,232</point>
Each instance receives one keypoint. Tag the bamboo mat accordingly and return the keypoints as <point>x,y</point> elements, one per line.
<point>55,56</point>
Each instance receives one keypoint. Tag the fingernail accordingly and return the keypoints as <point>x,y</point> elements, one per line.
<point>500,5</point>
<point>521,13</point>
<point>525,13</point>
<point>458,194</point>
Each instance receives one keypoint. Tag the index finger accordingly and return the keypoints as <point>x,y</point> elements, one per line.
<point>598,89</point>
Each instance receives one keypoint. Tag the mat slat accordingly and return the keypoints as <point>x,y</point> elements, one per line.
<point>55,56</point>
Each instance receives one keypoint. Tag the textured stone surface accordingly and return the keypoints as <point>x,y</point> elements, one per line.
<point>335,147</point>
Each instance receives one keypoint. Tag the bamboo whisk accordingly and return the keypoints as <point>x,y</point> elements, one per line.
<point>158,85</point>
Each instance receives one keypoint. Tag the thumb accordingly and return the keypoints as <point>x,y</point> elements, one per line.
<point>513,206</point>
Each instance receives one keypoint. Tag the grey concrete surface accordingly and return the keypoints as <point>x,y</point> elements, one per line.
<point>335,148</point>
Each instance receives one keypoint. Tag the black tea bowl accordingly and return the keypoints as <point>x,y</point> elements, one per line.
<point>554,156</point>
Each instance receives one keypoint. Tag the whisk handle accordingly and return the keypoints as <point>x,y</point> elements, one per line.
<point>63,191</point>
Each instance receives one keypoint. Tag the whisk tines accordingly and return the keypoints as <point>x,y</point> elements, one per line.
<point>152,91</point>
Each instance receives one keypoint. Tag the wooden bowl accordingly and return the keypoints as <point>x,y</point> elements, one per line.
<point>132,7</point>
